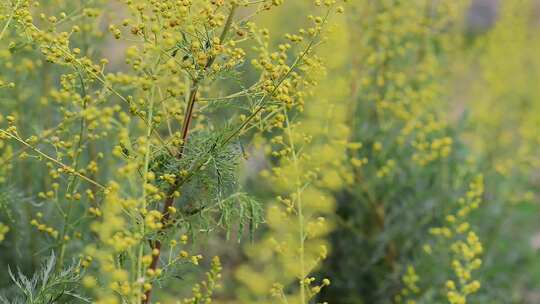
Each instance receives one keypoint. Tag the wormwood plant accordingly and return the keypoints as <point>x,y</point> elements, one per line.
<point>139,138</point>
<point>136,160</point>
<point>47,285</point>
<point>410,163</point>
<point>457,245</point>
<point>309,149</point>
<point>503,133</point>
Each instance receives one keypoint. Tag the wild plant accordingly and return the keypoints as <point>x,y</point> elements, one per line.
<point>409,161</point>
<point>307,152</point>
<point>140,159</point>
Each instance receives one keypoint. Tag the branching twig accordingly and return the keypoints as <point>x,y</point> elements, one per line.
<point>58,163</point>
<point>188,116</point>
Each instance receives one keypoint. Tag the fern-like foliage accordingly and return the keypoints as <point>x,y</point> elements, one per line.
<point>216,170</point>
<point>210,195</point>
<point>240,209</point>
<point>8,196</point>
<point>46,286</point>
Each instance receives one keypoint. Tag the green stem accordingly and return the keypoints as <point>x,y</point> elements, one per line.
<point>299,209</point>
<point>4,29</point>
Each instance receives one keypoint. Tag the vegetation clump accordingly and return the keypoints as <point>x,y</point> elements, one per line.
<point>267,151</point>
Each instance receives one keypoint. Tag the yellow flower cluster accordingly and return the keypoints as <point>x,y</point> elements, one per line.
<point>400,72</point>
<point>203,292</point>
<point>310,156</point>
<point>4,229</point>
<point>386,169</point>
<point>6,154</point>
<point>43,227</point>
<point>410,280</point>
<point>115,238</point>
<point>466,248</point>
<point>153,220</point>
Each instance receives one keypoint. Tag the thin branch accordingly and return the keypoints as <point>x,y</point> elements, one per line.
<point>188,116</point>
<point>58,163</point>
